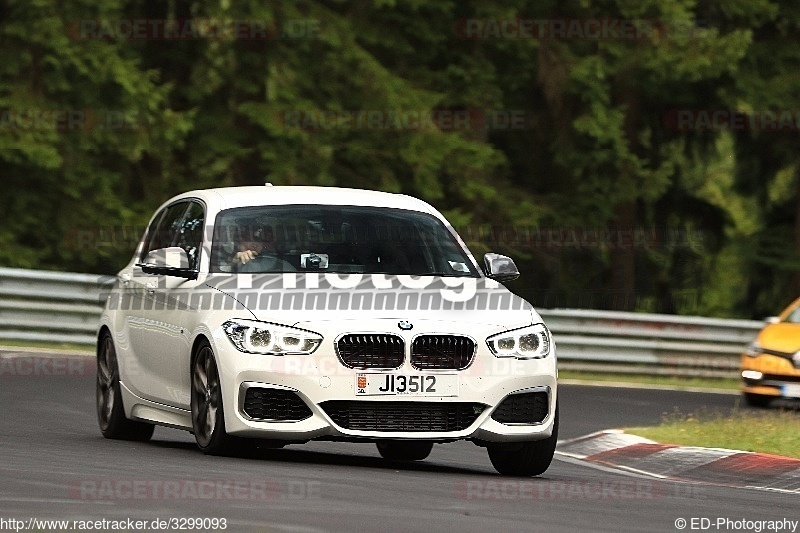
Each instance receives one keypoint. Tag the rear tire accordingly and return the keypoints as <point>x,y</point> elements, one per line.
<point>110,411</point>
<point>757,400</point>
<point>398,450</point>
<point>525,458</point>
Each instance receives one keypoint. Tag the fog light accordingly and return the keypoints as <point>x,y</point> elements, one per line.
<point>752,374</point>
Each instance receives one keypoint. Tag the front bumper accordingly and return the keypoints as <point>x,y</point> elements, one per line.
<point>770,375</point>
<point>320,379</point>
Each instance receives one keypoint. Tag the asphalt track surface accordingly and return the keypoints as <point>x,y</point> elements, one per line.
<point>54,464</point>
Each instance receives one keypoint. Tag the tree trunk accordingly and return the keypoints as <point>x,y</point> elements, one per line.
<point>795,280</point>
<point>623,259</point>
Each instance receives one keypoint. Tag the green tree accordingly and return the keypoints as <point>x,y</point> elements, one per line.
<point>595,155</point>
<point>767,163</point>
<point>78,116</point>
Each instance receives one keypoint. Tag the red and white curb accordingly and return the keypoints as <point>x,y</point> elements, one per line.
<point>685,463</point>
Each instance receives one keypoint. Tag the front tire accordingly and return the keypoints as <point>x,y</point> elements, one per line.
<point>208,417</point>
<point>110,411</point>
<point>397,450</point>
<point>525,458</point>
<point>757,400</point>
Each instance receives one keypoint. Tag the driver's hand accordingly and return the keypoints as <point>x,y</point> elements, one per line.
<point>244,257</point>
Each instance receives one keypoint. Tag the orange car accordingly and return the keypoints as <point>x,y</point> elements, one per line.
<point>771,364</point>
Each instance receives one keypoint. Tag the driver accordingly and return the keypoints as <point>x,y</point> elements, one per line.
<point>249,249</point>
<point>258,254</point>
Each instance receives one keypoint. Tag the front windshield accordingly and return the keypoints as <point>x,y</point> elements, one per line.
<point>794,316</point>
<point>341,239</point>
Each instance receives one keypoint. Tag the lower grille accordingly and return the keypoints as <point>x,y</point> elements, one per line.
<point>274,404</point>
<point>371,350</point>
<point>402,416</point>
<point>524,408</point>
<point>451,352</point>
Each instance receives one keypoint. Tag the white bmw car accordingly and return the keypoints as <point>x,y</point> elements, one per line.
<point>290,314</point>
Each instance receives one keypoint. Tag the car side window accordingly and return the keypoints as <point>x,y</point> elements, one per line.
<point>164,230</point>
<point>190,233</point>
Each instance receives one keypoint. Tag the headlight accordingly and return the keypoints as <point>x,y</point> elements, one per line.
<point>531,342</point>
<point>753,375</point>
<point>753,349</point>
<point>270,339</point>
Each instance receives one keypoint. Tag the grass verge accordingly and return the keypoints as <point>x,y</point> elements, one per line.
<point>62,346</point>
<point>683,382</point>
<point>775,432</point>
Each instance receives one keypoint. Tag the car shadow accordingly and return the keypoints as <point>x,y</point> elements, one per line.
<point>297,455</point>
<point>781,404</point>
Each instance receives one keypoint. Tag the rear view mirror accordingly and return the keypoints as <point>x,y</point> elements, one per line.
<point>314,261</point>
<point>500,267</point>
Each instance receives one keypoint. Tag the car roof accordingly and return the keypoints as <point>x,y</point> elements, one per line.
<point>231,197</point>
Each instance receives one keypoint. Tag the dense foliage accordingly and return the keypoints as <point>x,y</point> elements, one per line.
<point>572,158</point>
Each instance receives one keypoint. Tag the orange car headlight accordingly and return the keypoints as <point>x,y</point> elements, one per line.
<point>753,349</point>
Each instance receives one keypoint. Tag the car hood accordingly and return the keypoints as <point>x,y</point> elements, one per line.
<point>305,299</point>
<point>781,337</point>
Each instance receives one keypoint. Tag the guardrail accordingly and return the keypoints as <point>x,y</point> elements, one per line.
<point>64,307</point>
<point>49,306</point>
<point>637,343</point>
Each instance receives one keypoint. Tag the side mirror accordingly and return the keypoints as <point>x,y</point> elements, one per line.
<point>772,320</point>
<point>172,261</point>
<point>172,257</point>
<point>500,267</point>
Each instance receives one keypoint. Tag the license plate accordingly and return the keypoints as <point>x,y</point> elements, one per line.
<point>790,391</point>
<point>406,385</point>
